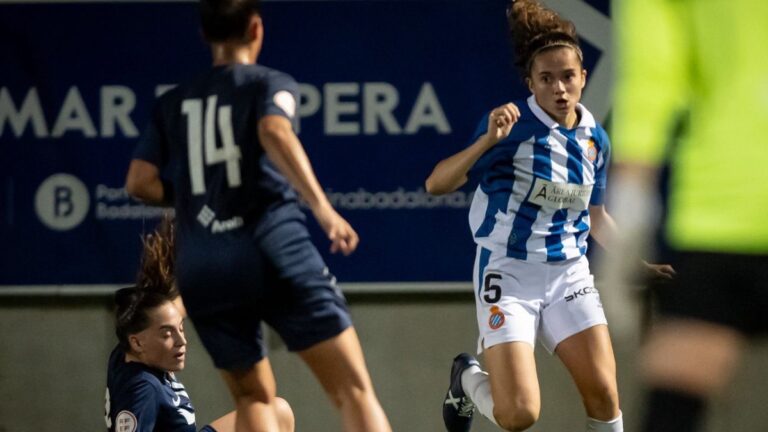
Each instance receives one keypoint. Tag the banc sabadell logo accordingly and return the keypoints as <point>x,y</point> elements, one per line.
<point>62,201</point>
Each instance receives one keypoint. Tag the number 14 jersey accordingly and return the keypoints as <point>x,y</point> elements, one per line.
<point>203,136</point>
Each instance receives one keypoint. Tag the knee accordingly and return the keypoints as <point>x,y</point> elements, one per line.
<point>602,402</point>
<point>517,416</point>
<point>251,394</point>
<point>284,415</point>
<point>350,393</point>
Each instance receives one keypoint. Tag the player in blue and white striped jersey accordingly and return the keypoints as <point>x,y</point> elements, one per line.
<point>537,184</point>
<point>542,166</point>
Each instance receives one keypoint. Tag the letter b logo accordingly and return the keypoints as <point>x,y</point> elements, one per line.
<point>61,202</point>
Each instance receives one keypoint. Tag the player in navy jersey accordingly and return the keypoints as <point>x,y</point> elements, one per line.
<point>542,166</point>
<point>222,149</point>
<point>143,394</point>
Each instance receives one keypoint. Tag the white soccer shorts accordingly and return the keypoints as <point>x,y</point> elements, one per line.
<point>521,300</point>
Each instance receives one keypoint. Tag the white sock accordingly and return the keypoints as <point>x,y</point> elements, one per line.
<point>477,386</point>
<point>615,425</point>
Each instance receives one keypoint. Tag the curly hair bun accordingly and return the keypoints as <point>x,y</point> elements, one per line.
<point>533,27</point>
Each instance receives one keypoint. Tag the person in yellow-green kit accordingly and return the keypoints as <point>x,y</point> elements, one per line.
<point>703,61</point>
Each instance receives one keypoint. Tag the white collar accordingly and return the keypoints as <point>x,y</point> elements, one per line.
<point>587,119</point>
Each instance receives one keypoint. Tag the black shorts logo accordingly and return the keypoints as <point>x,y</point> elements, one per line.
<point>581,293</point>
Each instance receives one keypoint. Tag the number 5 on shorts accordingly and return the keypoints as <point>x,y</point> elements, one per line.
<point>492,291</point>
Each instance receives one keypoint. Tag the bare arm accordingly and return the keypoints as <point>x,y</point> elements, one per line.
<point>605,231</point>
<point>284,149</point>
<point>603,228</point>
<point>143,182</point>
<point>451,173</point>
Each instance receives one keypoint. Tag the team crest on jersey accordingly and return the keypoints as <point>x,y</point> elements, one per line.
<point>125,422</point>
<point>591,150</point>
<point>496,319</point>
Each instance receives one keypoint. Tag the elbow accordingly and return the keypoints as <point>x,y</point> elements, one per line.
<point>139,180</point>
<point>433,188</point>
<point>429,186</point>
<point>138,191</point>
<point>438,184</point>
<point>268,132</point>
<point>273,133</point>
<point>133,186</point>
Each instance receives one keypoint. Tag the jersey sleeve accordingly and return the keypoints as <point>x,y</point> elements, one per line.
<point>280,97</point>
<point>138,406</point>
<point>601,168</point>
<point>152,146</point>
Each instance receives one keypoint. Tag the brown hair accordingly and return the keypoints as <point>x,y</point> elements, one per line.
<point>158,260</point>
<point>535,28</point>
<point>155,283</point>
<point>132,308</point>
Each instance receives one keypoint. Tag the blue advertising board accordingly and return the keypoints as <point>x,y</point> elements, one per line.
<point>388,88</point>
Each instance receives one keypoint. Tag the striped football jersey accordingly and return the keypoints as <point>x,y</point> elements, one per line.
<point>536,186</point>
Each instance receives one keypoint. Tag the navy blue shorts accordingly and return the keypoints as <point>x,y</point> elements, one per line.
<point>724,289</point>
<point>290,289</point>
<point>207,428</point>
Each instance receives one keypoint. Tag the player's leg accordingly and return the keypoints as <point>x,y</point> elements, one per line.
<point>685,362</point>
<point>226,423</point>
<point>708,310</point>
<point>514,385</point>
<point>339,365</point>
<point>310,313</point>
<point>234,340</point>
<point>253,390</point>
<point>285,415</point>
<point>588,356</point>
<point>573,326</point>
<point>507,395</point>
<point>508,294</point>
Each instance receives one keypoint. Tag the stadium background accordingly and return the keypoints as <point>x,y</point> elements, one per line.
<point>388,88</point>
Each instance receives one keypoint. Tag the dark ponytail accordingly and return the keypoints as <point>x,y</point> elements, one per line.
<point>157,271</point>
<point>155,283</point>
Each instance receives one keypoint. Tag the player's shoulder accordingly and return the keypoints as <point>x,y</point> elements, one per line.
<point>139,375</point>
<point>528,124</point>
<point>265,75</point>
<point>170,98</point>
<point>601,135</point>
<point>132,376</point>
<point>526,113</point>
<point>272,73</point>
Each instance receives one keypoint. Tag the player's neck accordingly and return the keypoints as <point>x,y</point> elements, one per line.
<point>130,357</point>
<point>228,53</point>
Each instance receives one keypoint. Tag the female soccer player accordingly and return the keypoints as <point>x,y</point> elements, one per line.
<point>542,163</point>
<point>143,394</point>
<point>226,143</point>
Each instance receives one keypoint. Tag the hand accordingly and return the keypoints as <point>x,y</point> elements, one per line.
<point>501,120</point>
<point>659,271</point>
<point>343,238</point>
